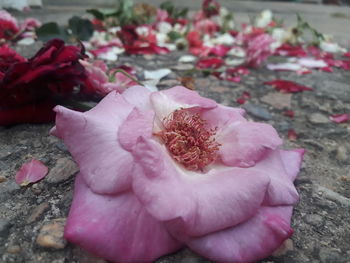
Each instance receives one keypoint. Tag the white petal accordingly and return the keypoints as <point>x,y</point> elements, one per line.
<point>157,74</point>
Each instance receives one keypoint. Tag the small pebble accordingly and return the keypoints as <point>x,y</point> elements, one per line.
<point>257,111</point>
<point>2,179</point>
<point>5,226</point>
<point>86,257</point>
<point>314,219</point>
<point>62,171</point>
<point>51,234</point>
<point>328,255</point>
<point>284,248</point>
<point>278,100</point>
<point>37,212</point>
<point>318,118</point>
<point>13,249</point>
<point>342,154</point>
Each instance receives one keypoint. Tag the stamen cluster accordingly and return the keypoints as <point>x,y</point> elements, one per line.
<point>188,139</point>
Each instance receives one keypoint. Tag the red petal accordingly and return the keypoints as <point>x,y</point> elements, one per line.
<point>210,7</point>
<point>146,50</point>
<point>292,135</point>
<point>210,63</point>
<point>194,39</point>
<point>291,51</point>
<point>7,57</point>
<point>219,50</point>
<point>31,172</point>
<point>289,113</point>
<point>340,118</point>
<point>347,54</point>
<point>240,100</point>
<point>287,86</point>
<point>327,69</point>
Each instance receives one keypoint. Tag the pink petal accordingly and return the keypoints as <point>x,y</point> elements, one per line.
<point>138,123</point>
<point>245,143</point>
<point>282,167</point>
<point>252,240</point>
<point>258,49</point>
<point>96,78</point>
<point>292,161</point>
<point>221,116</point>
<point>292,51</point>
<point>194,203</point>
<point>91,138</point>
<point>31,172</point>
<point>139,97</point>
<point>340,118</point>
<point>166,101</point>
<point>115,227</point>
<point>30,23</point>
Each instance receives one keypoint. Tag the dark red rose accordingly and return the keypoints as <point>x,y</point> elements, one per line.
<point>8,57</point>
<point>8,25</point>
<point>211,8</point>
<point>50,75</point>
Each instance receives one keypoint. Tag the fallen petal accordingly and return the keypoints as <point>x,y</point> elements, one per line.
<point>284,67</point>
<point>211,62</point>
<point>340,118</point>
<point>292,135</point>
<point>287,86</point>
<point>157,74</point>
<point>31,172</point>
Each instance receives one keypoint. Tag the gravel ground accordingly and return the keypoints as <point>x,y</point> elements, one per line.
<point>32,218</point>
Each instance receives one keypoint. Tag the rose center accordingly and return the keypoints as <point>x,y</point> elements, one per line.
<point>188,139</point>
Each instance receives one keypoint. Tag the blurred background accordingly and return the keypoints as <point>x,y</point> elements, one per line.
<point>20,4</point>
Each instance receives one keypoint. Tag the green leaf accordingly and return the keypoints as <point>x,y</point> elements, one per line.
<point>51,30</point>
<point>167,6</point>
<point>173,35</point>
<point>81,28</point>
<point>103,13</point>
<point>96,13</point>
<point>180,12</point>
<point>125,14</point>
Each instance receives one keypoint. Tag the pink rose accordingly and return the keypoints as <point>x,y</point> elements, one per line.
<point>210,8</point>
<point>30,24</point>
<point>206,26</point>
<point>258,49</point>
<point>166,169</point>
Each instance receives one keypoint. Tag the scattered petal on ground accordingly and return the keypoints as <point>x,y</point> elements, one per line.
<point>31,172</point>
<point>157,74</point>
<point>287,86</point>
<point>340,118</point>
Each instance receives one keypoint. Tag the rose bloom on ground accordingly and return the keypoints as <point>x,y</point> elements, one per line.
<point>168,169</point>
